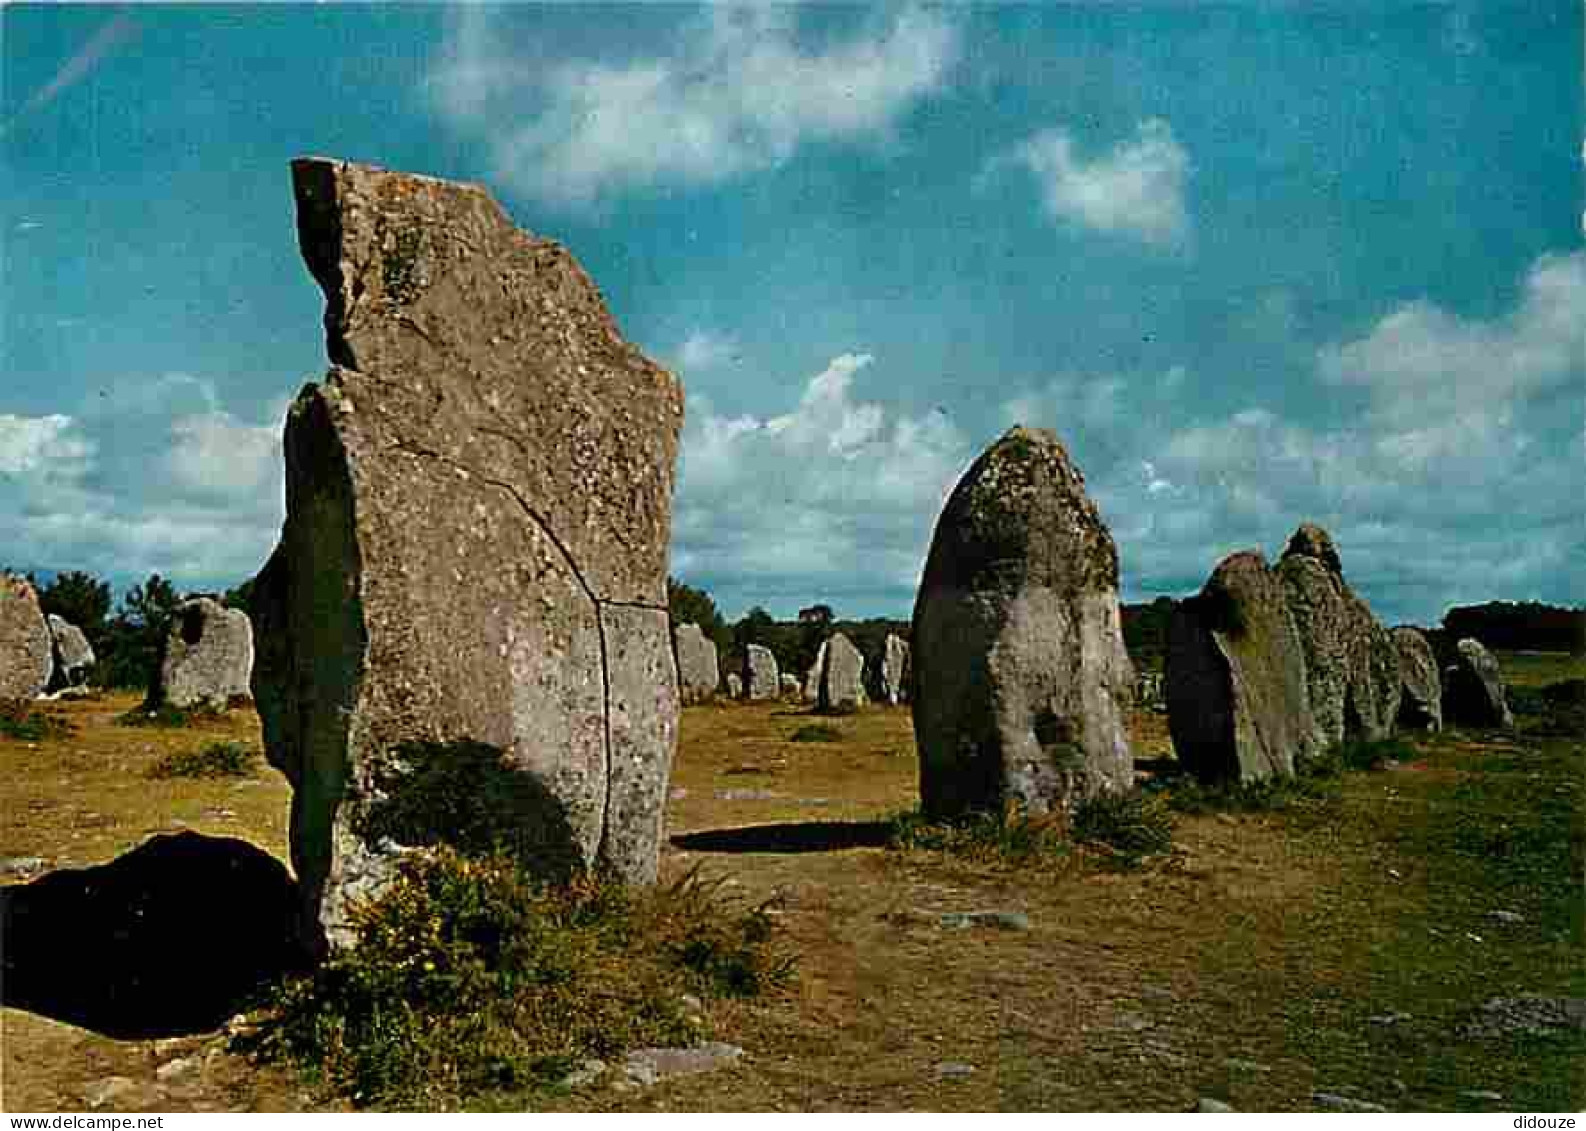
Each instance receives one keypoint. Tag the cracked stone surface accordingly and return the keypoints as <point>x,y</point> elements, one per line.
<point>892,676</point>
<point>1237,698</point>
<point>475,549</point>
<point>1420,686</point>
<point>207,657</point>
<point>25,645</point>
<point>1473,692</point>
<point>72,653</point>
<point>842,677</point>
<point>761,679</point>
<point>1020,676</point>
<point>1351,662</point>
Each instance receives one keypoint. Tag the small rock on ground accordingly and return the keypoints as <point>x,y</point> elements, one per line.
<point>111,1089</point>
<point>21,865</point>
<point>1208,1106</point>
<point>587,1072</point>
<point>954,1070</point>
<point>1531,1013</point>
<point>1481,1094</point>
<point>1003,920</point>
<point>644,1067</point>
<point>1344,1103</point>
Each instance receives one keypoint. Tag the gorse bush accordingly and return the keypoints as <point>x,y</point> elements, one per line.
<point>21,720</point>
<point>217,760</point>
<point>469,978</point>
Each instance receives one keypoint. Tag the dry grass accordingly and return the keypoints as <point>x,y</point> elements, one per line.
<point>1247,965</point>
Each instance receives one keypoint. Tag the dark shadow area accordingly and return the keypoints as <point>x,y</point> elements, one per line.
<point>171,938</point>
<point>466,795</point>
<point>1162,766</point>
<point>807,836</point>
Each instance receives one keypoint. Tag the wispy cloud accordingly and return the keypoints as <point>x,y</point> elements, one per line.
<point>704,349</point>
<point>737,91</point>
<point>1134,189</point>
<point>110,35</point>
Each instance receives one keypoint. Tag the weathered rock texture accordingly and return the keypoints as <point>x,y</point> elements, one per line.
<point>842,682</point>
<point>475,549</point>
<point>72,653</point>
<point>698,669</point>
<point>207,658</point>
<point>761,680</point>
<point>25,646</point>
<point>1421,691</point>
<point>1019,670</point>
<point>1351,662</point>
<point>734,685</point>
<point>893,681</point>
<point>1473,688</point>
<point>812,678</point>
<point>1238,705</point>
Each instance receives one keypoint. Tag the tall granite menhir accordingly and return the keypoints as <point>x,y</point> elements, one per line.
<point>1020,678</point>
<point>475,548</point>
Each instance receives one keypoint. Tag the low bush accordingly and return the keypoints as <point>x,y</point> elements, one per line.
<point>23,720</point>
<point>1132,826</point>
<point>1012,836</point>
<point>217,760</point>
<point>468,978</point>
<point>165,715</point>
<point>817,732</point>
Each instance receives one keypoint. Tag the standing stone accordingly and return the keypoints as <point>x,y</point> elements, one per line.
<point>72,653</point>
<point>699,673</point>
<point>1148,692</point>
<point>842,683</point>
<point>475,547</point>
<point>1473,689</point>
<point>1238,705</point>
<point>734,685</point>
<point>1351,662</point>
<point>791,688</point>
<point>812,678</point>
<point>1421,691</point>
<point>207,658</point>
<point>25,645</point>
<point>761,680</point>
<point>1021,680</point>
<point>894,681</point>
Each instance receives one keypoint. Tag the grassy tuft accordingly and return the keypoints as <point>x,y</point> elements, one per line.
<point>21,720</point>
<point>1011,837</point>
<point>470,980</point>
<point>167,716</point>
<point>217,760</point>
<point>817,732</point>
<point>1132,826</point>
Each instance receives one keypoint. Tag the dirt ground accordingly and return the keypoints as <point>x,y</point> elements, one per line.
<point>1316,956</point>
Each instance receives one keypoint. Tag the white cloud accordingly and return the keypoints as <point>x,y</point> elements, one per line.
<point>1135,189</point>
<point>736,91</point>
<point>217,454</point>
<point>43,446</point>
<point>703,349</point>
<point>837,496</point>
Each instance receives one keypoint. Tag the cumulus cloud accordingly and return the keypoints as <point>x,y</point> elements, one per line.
<point>736,91</point>
<point>148,475</point>
<point>1135,189</point>
<point>836,497</point>
<point>703,349</point>
<point>1458,480</point>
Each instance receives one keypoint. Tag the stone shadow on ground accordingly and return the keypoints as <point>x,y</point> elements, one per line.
<point>171,938</point>
<point>805,836</point>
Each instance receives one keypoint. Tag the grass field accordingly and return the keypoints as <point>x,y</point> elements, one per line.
<point>1342,946</point>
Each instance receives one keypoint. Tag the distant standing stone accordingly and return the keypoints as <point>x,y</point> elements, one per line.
<point>699,672</point>
<point>812,678</point>
<point>1020,679</point>
<point>894,670</point>
<point>1420,688</point>
<point>761,680</point>
<point>791,688</point>
<point>25,645</point>
<point>73,655</point>
<point>208,656</point>
<point>734,685</point>
<point>1238,704</point>
<point>842,684</point>
<point>1473,688</point>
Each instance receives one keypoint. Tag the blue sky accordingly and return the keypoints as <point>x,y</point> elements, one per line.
<point>1254,265</point>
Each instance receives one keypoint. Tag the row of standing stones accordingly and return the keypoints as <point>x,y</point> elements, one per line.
<point>475,551</point>
<point>840,679</point>
<point>205,659</point>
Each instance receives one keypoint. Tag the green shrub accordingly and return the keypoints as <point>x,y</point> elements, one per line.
<point>165,715</point>
<point>1132,825</point>
<point>1010,837</point>
<point>817,732</point>
<point>217,760</point>
<point>469,978</point>
<point>22,720</point>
